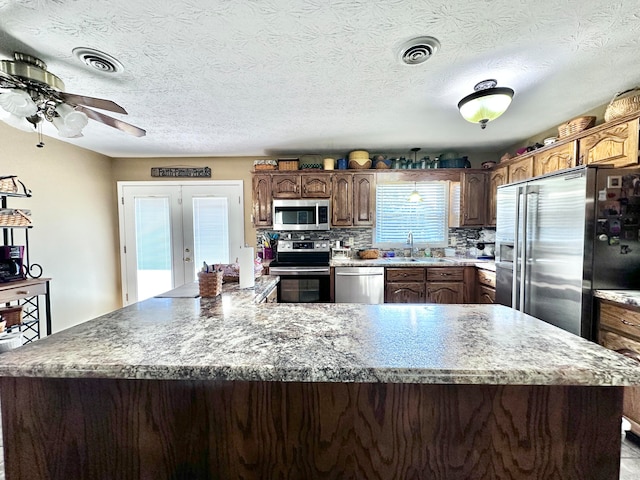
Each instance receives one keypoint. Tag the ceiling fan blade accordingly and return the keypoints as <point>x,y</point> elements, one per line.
<point>100,103</point>
<point>112,122</point>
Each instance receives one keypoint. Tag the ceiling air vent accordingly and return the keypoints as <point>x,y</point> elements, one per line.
<point>419,50</point>
<point>98,60</point>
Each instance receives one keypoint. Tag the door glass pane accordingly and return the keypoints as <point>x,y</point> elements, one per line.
<point>211,231</point>
<point>153,246</point>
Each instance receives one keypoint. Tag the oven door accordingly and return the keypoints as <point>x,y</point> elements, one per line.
<point>303,284</point>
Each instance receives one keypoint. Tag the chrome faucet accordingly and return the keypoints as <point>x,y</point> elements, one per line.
<point>410,242</point>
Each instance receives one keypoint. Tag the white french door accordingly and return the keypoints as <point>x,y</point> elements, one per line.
<point>168,229</point>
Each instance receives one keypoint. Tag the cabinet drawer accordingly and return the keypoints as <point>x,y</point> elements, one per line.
<point>486,277</point>
<point>622,320</point>
<point>446,274</point>
<point>21,290</point>
<point>405,274</point>
<point>613,341</point>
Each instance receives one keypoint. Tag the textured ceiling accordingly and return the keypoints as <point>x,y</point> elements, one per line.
<point>254,77</point>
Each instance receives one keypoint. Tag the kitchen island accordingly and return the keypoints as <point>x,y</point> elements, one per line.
<point>190,388</point>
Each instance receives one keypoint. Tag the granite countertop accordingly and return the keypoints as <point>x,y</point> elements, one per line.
<point>233,338</point>
<point>626,297</point>
<point>416,262</point>
<point>231,292</point>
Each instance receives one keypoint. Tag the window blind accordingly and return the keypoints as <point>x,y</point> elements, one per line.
<point>396,216</point>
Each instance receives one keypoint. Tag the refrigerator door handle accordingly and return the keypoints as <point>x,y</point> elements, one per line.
<point>524,250</point>
<point>515,287</point>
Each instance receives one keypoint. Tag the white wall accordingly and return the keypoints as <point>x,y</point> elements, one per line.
<point>74,237</point>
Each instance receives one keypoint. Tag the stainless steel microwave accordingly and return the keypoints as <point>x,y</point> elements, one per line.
<point>303,214</point>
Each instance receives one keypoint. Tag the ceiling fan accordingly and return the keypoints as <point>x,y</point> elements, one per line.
<point>29,93</point>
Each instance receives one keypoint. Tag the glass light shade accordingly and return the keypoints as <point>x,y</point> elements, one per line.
<point>483,106</point>
<point>70,122</point>
<point>15,121</point>
<point>18,102</point>
<point>415,197</point>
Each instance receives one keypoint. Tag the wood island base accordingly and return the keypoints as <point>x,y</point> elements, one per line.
<point>57,428</point>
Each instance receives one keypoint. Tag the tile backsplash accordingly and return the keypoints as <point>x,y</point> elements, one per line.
<point>464,240</point>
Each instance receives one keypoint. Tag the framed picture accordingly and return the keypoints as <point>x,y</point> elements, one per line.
<point>614,181</point>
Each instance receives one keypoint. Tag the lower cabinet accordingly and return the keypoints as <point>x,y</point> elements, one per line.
<point>485,286</point>
<point>424,285</point>
<point>619,330</point>
<point>445,285</point>
<point>404,285</point>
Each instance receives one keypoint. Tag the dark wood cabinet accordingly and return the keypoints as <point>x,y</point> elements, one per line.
<point>473,199</point>
<point>404,285</point>
<point>342,200</point>
<point>286,186</point>
<point>364,199</point>
<point>316,185</point>
<point>445,285</point>
<point>262,201</point>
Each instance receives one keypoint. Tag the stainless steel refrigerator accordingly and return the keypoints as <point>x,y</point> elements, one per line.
<point>562,235</point>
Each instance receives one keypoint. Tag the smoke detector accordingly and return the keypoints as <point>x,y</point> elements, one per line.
<point>418,50</point>
<point>98,60</point>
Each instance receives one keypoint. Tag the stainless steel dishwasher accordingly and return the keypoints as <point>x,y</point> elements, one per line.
<point>359,285</point>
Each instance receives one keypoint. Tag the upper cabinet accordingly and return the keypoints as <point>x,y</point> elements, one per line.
<point>364,199</point>
<point>616,145</point>
<point>262,199</point>
<point>342,200</point>
<point>521,169</point>
<point>473,197</point>
<point>286,186</point>
<point>497,177</point>
<point>558,158</point>
<point>316,186</point>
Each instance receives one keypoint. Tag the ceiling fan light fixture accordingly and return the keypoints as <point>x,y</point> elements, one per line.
<point>70,121</point>
<point>15,121</point>
<point>486,103</point>
<point>18,102</point>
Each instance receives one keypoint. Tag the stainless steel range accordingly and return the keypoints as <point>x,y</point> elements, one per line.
<point>303,267</point>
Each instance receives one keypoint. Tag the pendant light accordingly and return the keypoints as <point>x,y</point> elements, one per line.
<point>487,103</point>
<point>415,197</point>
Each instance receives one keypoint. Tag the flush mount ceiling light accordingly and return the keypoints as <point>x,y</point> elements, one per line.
<point>418,50</point>
<point>30,94</point>
<point>487,103</point>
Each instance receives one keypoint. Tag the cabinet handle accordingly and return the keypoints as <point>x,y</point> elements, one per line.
<point>22,292</point>
<point>305,189</point>
<point>581,159</point>
<point>629,323</point>
<point>444,274</point>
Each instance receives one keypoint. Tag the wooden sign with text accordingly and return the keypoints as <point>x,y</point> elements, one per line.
<point>199,172</point>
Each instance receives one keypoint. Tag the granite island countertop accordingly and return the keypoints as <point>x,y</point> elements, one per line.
<point>223,339</point>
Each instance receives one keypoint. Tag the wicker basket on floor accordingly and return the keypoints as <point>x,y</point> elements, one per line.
<point>12,315</point>
<point>210,284</point>
<point>576,125</point>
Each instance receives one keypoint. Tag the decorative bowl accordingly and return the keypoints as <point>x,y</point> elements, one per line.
<point>358,165</point>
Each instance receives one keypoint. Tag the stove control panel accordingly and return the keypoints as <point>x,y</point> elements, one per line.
<point>303,246</point>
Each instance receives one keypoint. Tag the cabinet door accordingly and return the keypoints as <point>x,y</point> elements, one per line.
<point>342,200</point>
<point>262,200</point>
<point>316,186</point>
<point>486,294</point>
<point>558,158</point>
<point>286,186</point>
<point>445,292</point>
<point>520,170</point>
<point>364,199</point>
<point>410,292</point>
<point>497,177</point>
<point>473,199</point>
<point>617,145</point>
